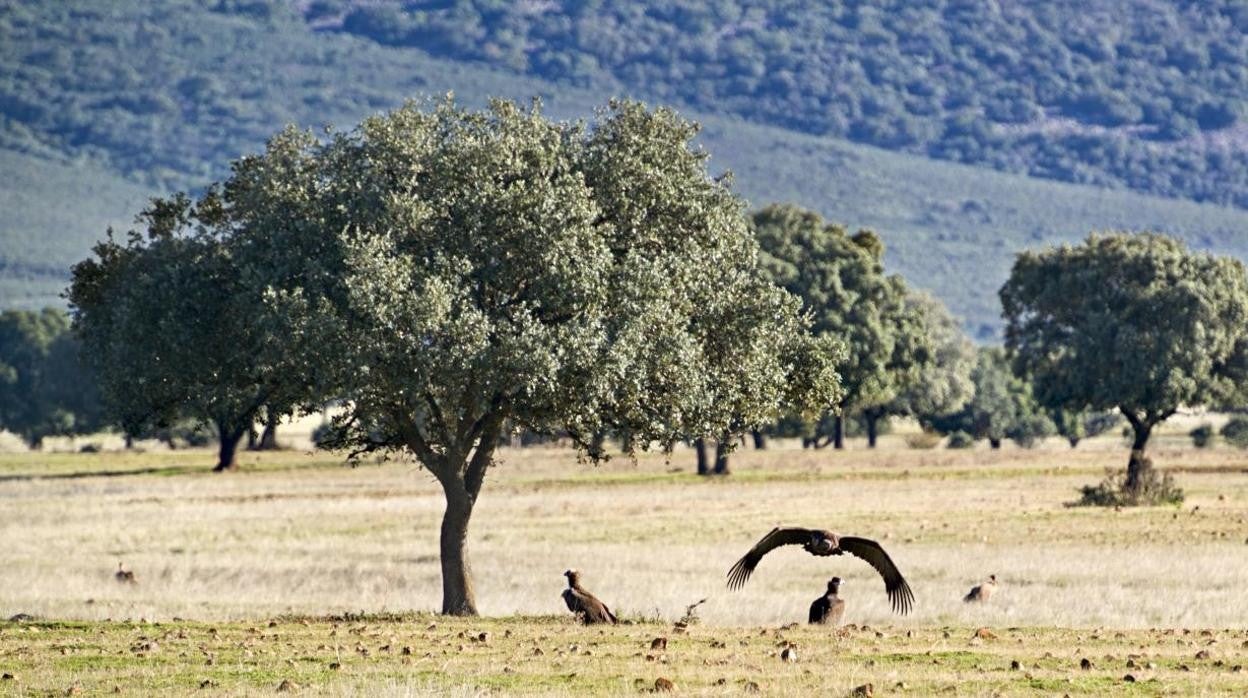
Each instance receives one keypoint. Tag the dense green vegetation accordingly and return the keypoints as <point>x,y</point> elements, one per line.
<point>1125,95</point>
<point>71,162</point>
<point>1136,323</point>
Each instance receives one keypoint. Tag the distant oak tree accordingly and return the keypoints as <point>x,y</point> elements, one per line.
<point>1133,322</point>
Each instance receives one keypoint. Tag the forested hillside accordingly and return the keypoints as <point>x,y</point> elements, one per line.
<point>1146,94</point>
<point>104,104</point>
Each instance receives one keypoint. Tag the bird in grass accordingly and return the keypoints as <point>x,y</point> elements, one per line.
<point>983,591</point>
<point>829,609</point>
<point>822,544</point>
<point>124,576</point>
<point>585,605</point>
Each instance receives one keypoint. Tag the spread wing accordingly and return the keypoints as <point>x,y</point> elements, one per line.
<point>898,590</point>
<point>778,537</point>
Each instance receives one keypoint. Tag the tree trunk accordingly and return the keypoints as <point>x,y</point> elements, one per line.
<point>1074,441</point>
<point>626,441</point>
<point>1138,465</point>
<point>872,420</point>
<point>268,440</point>
<point>227,454</point>
<point>699,445</point>
<point>458,596</point>
<point>129,442</point>
<point>760,441</point>
<point>721,457</point>
<point>838,432</point>
<point>995,443</point>
<point>253,442</point>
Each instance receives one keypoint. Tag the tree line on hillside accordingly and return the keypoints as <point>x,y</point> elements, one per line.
<point>1120,97</point>
<point>1145,94</point>
<point>450,276</point>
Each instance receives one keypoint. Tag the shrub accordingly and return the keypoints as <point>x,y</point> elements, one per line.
<point>1202,436</point>
<point>1156,489</point>
<point>1236,432</point>
<point>960,439</point>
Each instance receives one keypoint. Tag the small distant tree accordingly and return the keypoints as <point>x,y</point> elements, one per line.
<point>943,384</point>
<point>44,388</point>
<point>841,281</point>
<point>1136,323</point>
<point>452,272</point>
<point>166,318</point>
<point>1002,406</point>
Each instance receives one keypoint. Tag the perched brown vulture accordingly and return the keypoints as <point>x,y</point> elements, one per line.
<point>124,576</point>
<point>585,605</point>
<point>982,592</point>
<point>829,608</point>
<point>822,544</point>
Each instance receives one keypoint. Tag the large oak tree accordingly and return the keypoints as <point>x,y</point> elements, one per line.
<point>1136,323</point>
<point>452,273</point>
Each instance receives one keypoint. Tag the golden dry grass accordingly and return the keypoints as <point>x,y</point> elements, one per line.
<point>298,534</point>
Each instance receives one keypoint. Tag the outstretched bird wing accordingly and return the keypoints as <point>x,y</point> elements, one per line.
<point>778,537</point>
<point>898,590</point>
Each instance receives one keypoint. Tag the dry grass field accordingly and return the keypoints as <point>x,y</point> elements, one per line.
<point>343,561</point>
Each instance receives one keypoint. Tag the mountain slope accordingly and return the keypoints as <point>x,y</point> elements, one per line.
<point>181,90</point>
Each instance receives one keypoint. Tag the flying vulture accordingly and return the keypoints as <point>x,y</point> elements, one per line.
<point>585,605</point>
<point>822,544</point>
<point>828,608</point>
<point>982,592</point>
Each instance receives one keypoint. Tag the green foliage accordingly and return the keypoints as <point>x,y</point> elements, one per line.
<point>451,273</point>
<point>841,282</point>
<point>1075,426</point>
<point>923,440</point>
<point>943,384</point>
<point>1235,431</point>
<point>1133,322</point>
<point>1202,436</point>
<point>167,319</point>
<point>234,78</point>
<point>950,82</point>
<point>44,388</point>
<point>1002,406</point>
<point>960,439</point>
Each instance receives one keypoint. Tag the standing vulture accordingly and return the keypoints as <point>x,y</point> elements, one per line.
<point>828,608</point>
<point>982,592</point>
<point>822,544</point>
<point>585,605</point>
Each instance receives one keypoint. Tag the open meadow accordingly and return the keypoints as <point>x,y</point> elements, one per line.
<point>296,569</point>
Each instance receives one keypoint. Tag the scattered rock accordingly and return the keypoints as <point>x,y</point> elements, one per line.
<point>1085,664</point>
<point>985,634</point>
<point>866,690</point>
<point>287,686</point>
<point>663,685</point>
<point>207,683</point>
<point>788,655</point>
<point>26,618</point>
<point>1016,665</point>
<point>6,676</point>
<point>537,652</point>
<point>1129,678</point>
<point>406,651</point>
<point>1203,654</point>
<point>73,690</point>
<point>335,666</point>
<point>483,637</point>
<point>658,643</point>
<point>751,687</point>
